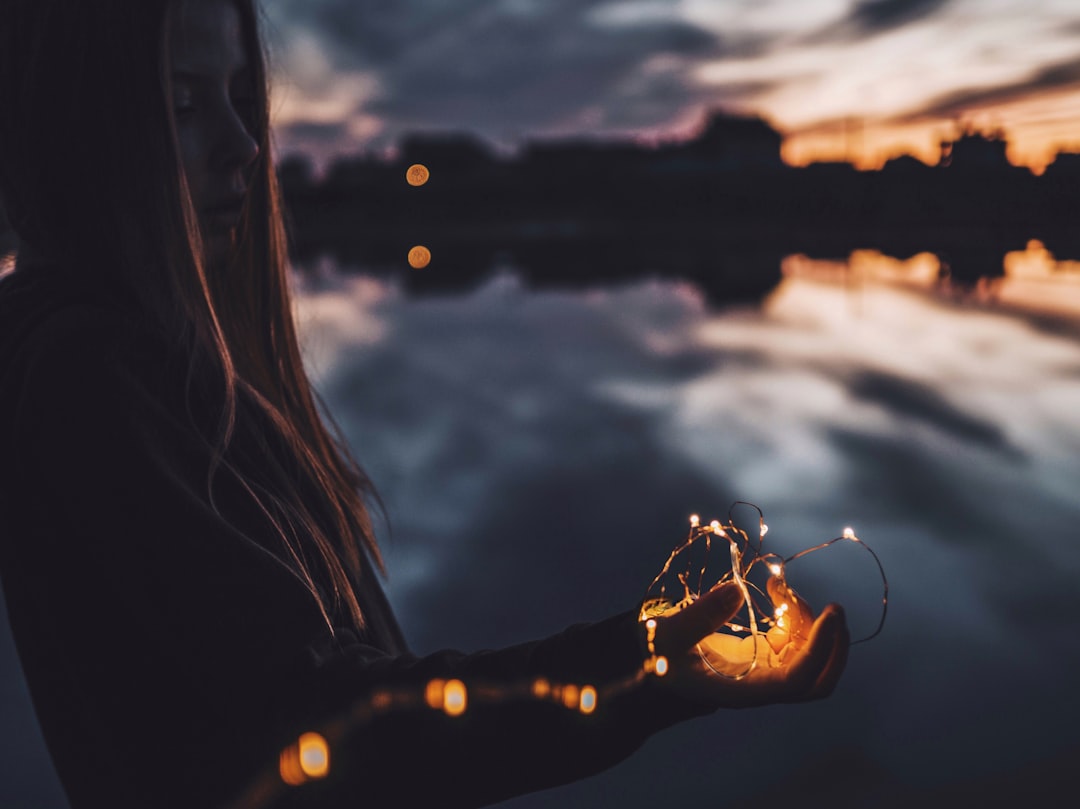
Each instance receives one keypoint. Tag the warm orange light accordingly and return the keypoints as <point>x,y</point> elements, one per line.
<point>304,761</point>
<point>656,665</point>
<point>650,635</point>
<point>417,174</point>
<point>314,755</point>
<point>571,695</point>
<point>289,767</point>
<point>382,701</point>
<point>588,699</point>
<point>455,698</point>
<point>433,694</point>
<point>541,688</point>
<point>419,257</point>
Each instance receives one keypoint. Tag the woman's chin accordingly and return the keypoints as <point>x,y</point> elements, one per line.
<point>218,246</point>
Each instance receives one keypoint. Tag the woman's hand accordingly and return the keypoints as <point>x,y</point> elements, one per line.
<point>801,661</point>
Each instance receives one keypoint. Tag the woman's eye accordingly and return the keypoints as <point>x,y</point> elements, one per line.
<point>183,102</point>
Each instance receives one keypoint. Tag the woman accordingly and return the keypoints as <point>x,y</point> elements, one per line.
<point>185,542</point>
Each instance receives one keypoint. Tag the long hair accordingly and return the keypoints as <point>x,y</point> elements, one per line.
<point>91,175</point>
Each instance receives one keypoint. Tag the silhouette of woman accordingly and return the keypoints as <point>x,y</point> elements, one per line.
<point>190,570</point>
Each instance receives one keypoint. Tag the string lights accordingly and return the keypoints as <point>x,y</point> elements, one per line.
<point>773,620</point>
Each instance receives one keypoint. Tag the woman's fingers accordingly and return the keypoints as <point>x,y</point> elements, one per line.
<point>797,616</point>
<point>678,632</point>
<point>816,669</point>
<point>828,679</point>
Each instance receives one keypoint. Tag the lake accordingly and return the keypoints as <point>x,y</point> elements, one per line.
<point>540,451</point>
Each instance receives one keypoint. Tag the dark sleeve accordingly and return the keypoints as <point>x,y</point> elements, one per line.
<point>392,748</point>
<point>171,658</point>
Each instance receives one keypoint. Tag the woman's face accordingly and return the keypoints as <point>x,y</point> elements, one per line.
<point>213,100</point>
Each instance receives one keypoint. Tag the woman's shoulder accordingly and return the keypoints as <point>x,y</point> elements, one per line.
<point>37,307</point>
<point>42,321</point>
<point>81,353</point>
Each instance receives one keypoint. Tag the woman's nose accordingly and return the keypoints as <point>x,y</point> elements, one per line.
<point>236,147</point>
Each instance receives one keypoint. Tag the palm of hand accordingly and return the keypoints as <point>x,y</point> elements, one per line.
<point>798,661</point>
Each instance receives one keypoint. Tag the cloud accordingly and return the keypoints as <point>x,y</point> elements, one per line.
<point>1056,76</point>
<point>868,18</point>
<point>319,131</point>
<point>515,66</point>
<point>882,15</point>
<point>541,450</point>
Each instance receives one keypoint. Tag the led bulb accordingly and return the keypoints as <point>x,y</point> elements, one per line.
<point>455,698</point>
<point>588,699</point>
<point>314,755</point>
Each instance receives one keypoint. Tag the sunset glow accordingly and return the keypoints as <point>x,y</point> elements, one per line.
<point>854,80</point>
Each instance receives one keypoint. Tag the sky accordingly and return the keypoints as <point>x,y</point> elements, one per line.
<point>862,80</point>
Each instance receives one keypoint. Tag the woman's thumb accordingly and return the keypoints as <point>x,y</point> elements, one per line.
<point>677,632</point>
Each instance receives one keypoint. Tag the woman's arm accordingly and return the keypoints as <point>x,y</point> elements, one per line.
<point>171,658</point>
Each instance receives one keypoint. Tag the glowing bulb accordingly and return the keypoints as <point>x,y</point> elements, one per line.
<point>715,526</point>
<point>419,257</point>
<point>849,533</point>
<point>695,520</point>
<point>314,755</point>
<point>764,529</point>
<point>417,174</point>
<point>588,699</point>
<point>382,700</point>
<point>455,698</point>
<point>571,697</point>
<point>651,624</point>
<point>289,767</point>
<point>661,666</point>
<point>541,688</point>
<point>433,694</point>
<point>308,759</point>
<point>776,570</point>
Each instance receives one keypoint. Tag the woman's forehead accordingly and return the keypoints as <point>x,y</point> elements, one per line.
<point>205,38</point>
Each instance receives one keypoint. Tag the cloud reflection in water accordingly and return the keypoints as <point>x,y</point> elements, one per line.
<point>540,453</point>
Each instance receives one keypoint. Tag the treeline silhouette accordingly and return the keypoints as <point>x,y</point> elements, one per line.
<point>720,209</point>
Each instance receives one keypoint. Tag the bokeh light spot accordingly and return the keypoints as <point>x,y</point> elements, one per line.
<point>588,699</point>
<point>417,174</point>
<point>314,755</point>
<point>455,698</point>
<point>419,257</point>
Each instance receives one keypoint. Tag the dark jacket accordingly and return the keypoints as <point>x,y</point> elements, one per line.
<point>171,656</point>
